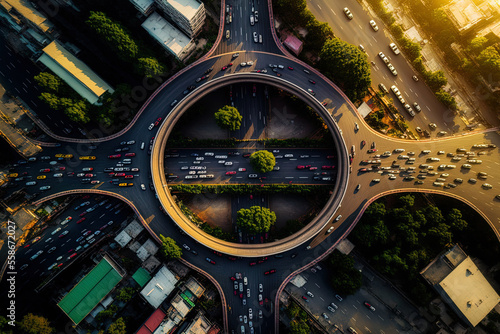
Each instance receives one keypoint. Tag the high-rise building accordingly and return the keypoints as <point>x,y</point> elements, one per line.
<point>188,15</point>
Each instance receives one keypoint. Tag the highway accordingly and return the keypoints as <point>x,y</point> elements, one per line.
<point>338,112</point>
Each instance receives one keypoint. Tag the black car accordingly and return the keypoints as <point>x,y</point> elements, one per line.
<point>209,70</point>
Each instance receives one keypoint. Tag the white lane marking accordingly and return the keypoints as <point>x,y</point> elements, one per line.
<point>2,73</point>
<point>289,177</point>
<point>407,94</point>
<point>381,318</point>
<point>374,39</point>
<point>321,299</point>
<point>303,177</point>
<point>333,11</point>
<point>367,316</point>
<point>428,108</point>
<point>354,307</point>
<point>34,103</point>
<point>25,89</point>
<point>360,26</point>
<point>317,285</point>
<point>319,6</point>
<point>416,94</point>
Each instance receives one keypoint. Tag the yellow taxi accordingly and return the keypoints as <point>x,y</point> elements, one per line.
<point>13,175</point>
<point>87,157</point>
<point>41,177</point>
<point>68,156</point>
<point>122,184</point>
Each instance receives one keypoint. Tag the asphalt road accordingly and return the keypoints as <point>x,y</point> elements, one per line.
<point>358,31</point>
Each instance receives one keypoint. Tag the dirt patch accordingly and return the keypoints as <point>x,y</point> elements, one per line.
<point>287,121</point>
<point>213,209</point>
<point>288,207</point>
<point>199,121</point>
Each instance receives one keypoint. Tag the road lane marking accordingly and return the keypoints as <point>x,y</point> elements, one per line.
<point>317,285</point>
<point>321,299</point>
<point>428,108</point>
<point>368,316</point>
<point>374,39</point>
<point>354,306</point>
<point>360,26</point>
<point>333,11</point>
<point>2,73</point>
<point>319,6</point>
<point>381,318</point>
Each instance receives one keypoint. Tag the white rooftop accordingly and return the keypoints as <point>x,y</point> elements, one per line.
<point>159,287</point>
<point>169,36</point>
<point>74,72</point>
<point>188,8</point>
<point>143,5</point>
<point>470,292</point>
<point>134,228</point>
<point>123,238</point>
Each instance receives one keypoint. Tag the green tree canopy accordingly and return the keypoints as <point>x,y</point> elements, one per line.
<point>114,34</point>
<point>48,81</point>
<point>436,80</point>
<point>118,327</point>
<point>347,66</point>
<point>125,294</point>
<point>51,99</point>
<point>299,327</point>
<point>228,118</point>
<point>318,34</point>
<point>256,219</point>
<point>446,99</point>
<point>262,161</point>
<point>34,324</point>
<point>75,110</point>
<point>477,44</point>
<point>347,279</point>
<point>489,63</point>
<point>149,67</point>
<point>169,248</point>
<point>454,219</point>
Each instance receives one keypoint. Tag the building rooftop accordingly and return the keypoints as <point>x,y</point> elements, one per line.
<point>152,323</point>
<point>26,9</point>
<point>159,287</point>
<point>74,72</point>
<point>134,228</point>
<point>195,287</point>
<point>143,5</point>
<point>464,13</point>
<point>141,276</point>
<point>188,8</point>
<point>469,291</point>
<point>169,36</point>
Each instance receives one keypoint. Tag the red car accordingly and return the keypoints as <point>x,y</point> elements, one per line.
<point>290,67</point>
<point>272,271</point>
<point>217,253</point>
<point>114,156</point>
<point>72,255</point>
<point>261,261</point>
<point>103,227</point>
<point>62,168</point>
<point>372,150</point>
<point>80,220</point>
<point>71,250</point>
<point>230,173</point>
<point>230,64</point>
<point>89,175</point>
<point>59,265</point>
<point>253,263</point>
<point>159,119</point>
<point>129,176</point>
<point>304,297</point>
<point>232,258</point>
<point>130,154</point>
<point>232,278</point>
<point>301,167</point>
<point>46,170</point>
<point>330,156</point>
<point>119,174</point>
<point>83,213</point>
<point>87,233</point>
<point>254,89</point>
<point>246,155</point>
<point>224,68</point>
<point>313,168</point>
<point>326,167</point>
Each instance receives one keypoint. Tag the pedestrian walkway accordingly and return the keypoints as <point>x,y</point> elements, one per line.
<point>11,120</point>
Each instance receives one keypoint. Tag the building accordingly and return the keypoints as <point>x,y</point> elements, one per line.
<point>145,7</point>
<point>188,15</point>
<point>24,15</point>
<point>74,72</point>
<point>467,15</point>
<point>294,44</point>
<point>171,38</point>
<point>461,285</point>
<point>159,287</point>
<point>91,291</point>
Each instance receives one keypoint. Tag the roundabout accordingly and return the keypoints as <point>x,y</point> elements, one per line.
<point>245,250</point>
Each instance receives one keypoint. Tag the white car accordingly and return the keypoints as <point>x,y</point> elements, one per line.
<point>392,69</point>
<point>417,107</point>
<point>261,288</point>
<point>255,37</point>
<point>58,175</point>
<point>151,126</point>
<point>394,48</point>
<point>143,187</point>
<point>395,90</point>
<point>45,188</point>
<point>383,57</point>
<point>348,13</point>
<point>374,25</point>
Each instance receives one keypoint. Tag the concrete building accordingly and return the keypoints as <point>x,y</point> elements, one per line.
<point>159,287</point>
<point>188,15</point>
<point>145,7</point>
<point>74,72</point>
<point>24,16</point>
<point>171,38</point>
<point>461,285</point>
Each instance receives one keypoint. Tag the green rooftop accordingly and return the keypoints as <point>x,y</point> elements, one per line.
<point>90,291</point>
<point>141,276</point>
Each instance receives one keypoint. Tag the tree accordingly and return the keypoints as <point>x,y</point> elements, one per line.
<point>489,62</point>
<point>34,324</point>
<point>477,44</point>
<point>411,48</point>
<point>446,99</point>
<point>318,34</point>
<point>347,279</point>
<point>169,248</point>
<point>114,34</point>
<point>256,219</point>
<point>299,327</point>
<point>75,110</point>
<point>107,313</point>
<point>436,80</point>
<point>407,201</point>
<point>125,294</point>
<point>149,67</point>
<point>293,310</point>
<point>5,328</point>
<point>262,161</point>
<point>347,66</point>
<point>48,81</point>
<point>454,219</point>
<point>117,327</point>
<point>51,99</point>
<point>228,118</point>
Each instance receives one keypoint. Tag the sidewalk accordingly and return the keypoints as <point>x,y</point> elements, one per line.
<point>12,121</point>
<point>469,105</point>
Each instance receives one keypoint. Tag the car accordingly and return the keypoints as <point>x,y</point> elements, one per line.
<point>442,133</point>
<point>383,57</point>
<point>209,260</point>
<point>80,220</point>
<point>51,250</point>
<point>394,48</point>
<point>392,69</point>
<point>63,234</point>
<point>466,166</point>
<point>325,315</point>
<point>44,188</point>
<point>487,186</point>
<point>373,25</point>
<point>311,92</point>
<point>369,306</point>
<point>358,187</point>
<point>348,13</point>
<point>417,107</point>
<point>255,37</point>
<point>352,330</point>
